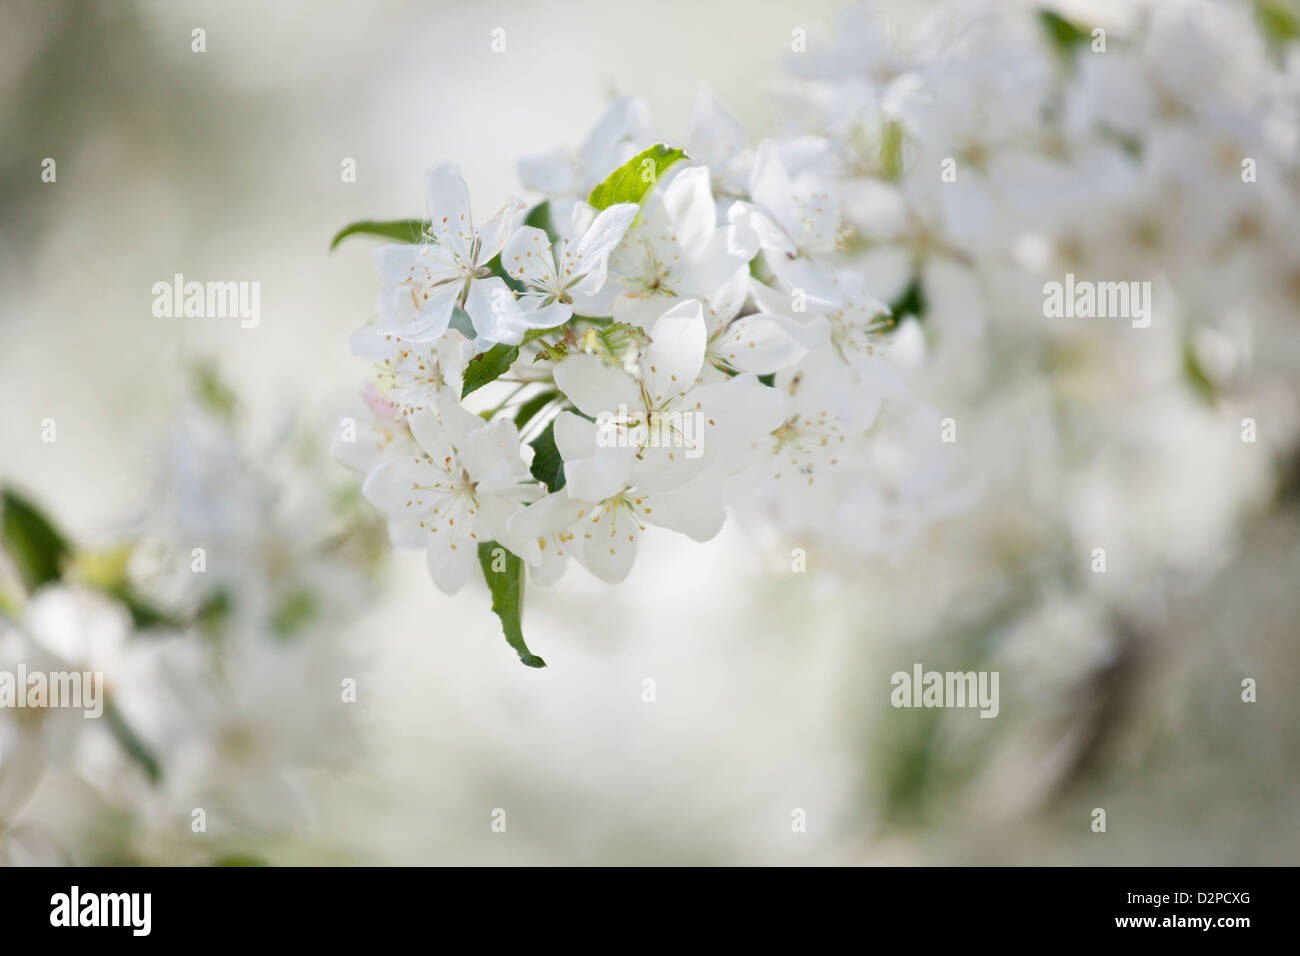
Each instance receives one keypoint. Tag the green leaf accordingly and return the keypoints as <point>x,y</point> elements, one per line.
<point>632,181</point>
<point>504,573</point>
<point>462,323</point>
<point>399,230</point>
<point>910,302</point>
<point>529,409</point>
<point>131,742</point>
<point>488,366</point>
<point>547,466</point>
<point>1064,34</point>
<point>31,540</point>
<point>532,335</point>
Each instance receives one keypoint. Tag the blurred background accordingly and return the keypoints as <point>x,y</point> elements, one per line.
<point>771,690</point>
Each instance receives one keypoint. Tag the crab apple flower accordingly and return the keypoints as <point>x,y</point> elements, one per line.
<point>792,209</point>
<point>602,534</point>
<point>458,490</point>
<point>661,427</point>
<point>804,449</point>
<point>374,431</point>
<point>415,374</point>
<point>563,279</point>
<point>423,283</point>
<point>844,316</point>
<point>758,343</point>
<point>677,250</point>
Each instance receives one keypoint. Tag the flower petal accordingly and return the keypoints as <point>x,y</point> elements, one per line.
<point>609,541</point>
<point>595,387</point>
<point>529,257</point>
<point>404,488</point>
<point>449,213</point>
<point>450,561</point>
<point>676,352</point>
<point>548,515</point>
<point>759,344</point>
<point>492,237</point>
<point>695,510</point>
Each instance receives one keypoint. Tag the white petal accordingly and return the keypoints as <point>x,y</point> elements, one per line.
<point>641,309</point>
<point>725,303</point>
<point>676,352</point>
<point>595,387</point>
<point>688,207</point>
<point>493,310</point>
<point>431,435</point>
<point>771,237</point>
<point>491,456</point>
<point>592,471</point>
<point>449,208</point>
<point>454,352</point>
<point>458,423</point>
<point>533,315</point>
<point>818,284</point>
<point>400,488</point>
<point>553,562</point>
<point>370,441</point>
<point>739,415</point>
<point>416,314</point>
<point>695,510</point>
<point>404,533</point>
<point>495,232</point>
<point>606,232</point>
<point>548,515</point>
<point>609,542</point>
<point>771,188</point>
<point>492,523</point>
<point>425,262</point>
<point>499,317</point>
<point>601,476</point>
<point>758,343</point>
<point>667,466</point>
<point>575,436</point>
<point>451,562</point>
<point>529,257</point>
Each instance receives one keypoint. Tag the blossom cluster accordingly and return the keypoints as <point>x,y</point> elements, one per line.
<point>836,304</point>
<point>666,354</point>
